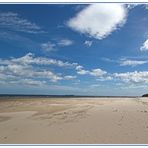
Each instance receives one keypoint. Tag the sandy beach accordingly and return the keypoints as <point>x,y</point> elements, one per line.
<point>74,121</point>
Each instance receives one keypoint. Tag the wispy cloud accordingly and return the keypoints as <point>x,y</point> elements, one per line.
<point>132,62</point>
<point>79,7</point>
<point>88,43</point>
<point>14,22</point>
<point>106,18</point>
<point>53,46</point>
<point>146,6</point>
<point>65,42</point>
<point>48,47</point>
<point>107,59</point>
<point>131,6</point>
<point>18,40</point>
<point>69,77</point>
<point>144,47</point>
<point>28,82</point>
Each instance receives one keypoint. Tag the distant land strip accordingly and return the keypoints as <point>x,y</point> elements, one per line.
<point>61,96</point>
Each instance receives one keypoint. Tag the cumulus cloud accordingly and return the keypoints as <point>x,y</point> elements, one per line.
<point>144,47</point>
<point>22,72</point>
<point>105,78</point>
<point>79,67</point>
<point>97,72</point>
<point>82,72</point>
<point>88,43</point>
<point>29,59</point>
<point>133,77</point>
<point>99,20</point>
<point>65,42</point>
<point>35,69</point>
<point>13,22</point>
<point>94,72</point>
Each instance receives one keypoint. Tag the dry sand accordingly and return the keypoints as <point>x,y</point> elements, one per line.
<point>74,121</point>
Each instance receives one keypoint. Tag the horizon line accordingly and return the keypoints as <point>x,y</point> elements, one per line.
<point>66,95</point>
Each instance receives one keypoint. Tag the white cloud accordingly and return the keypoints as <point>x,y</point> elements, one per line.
<point>108,60</point>
<point>47,75</point>
<point>94,72</point>
<point>48,46</point>
<point>109,78</point>
<point>27,71</point>
<point>95,85</point>
<point>97,72</point>
<point>82,72</point>
<point>132,62</point>
<point>32,68</point>
<point>144,47</point>
<point>105,78</point>
<point>4,77</point>
<point>131,6</point>
<point>65,42</point>
<point>13,22</point>
<point>133,77</point>
<point>88,43</point>
<point>31,59</point>
<point>99,20</point>
<point>69,77</point>
<point>79,67</point>
<point>29,82</point>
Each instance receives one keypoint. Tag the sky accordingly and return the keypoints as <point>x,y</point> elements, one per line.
<point>74,49</point>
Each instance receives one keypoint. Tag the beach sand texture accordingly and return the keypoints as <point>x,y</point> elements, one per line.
<point>74,121</point>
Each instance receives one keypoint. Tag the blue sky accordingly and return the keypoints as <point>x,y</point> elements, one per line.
<point>95,49</point>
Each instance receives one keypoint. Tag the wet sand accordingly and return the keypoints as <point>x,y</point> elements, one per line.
<point>74,121</point>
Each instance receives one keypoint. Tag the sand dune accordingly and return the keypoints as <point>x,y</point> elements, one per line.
<point>74,121</point>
